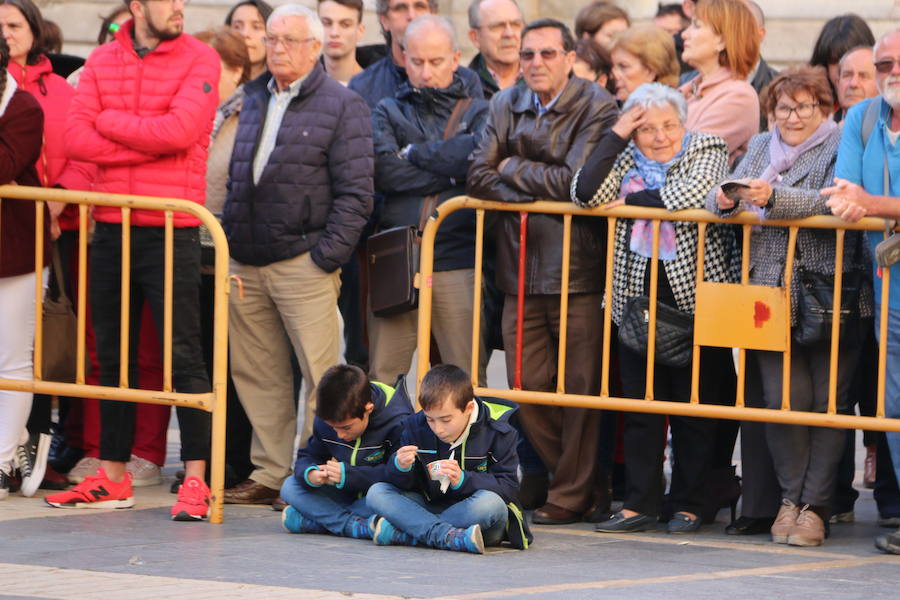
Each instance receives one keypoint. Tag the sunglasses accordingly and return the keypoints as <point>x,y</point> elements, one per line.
<point>886,66</point>
<point>546,54</point>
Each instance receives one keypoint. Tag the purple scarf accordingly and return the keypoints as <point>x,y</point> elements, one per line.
<point>783,156</point>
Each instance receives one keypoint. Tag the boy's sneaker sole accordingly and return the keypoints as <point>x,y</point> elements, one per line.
<point>183,515</point>
<point>123,503</point>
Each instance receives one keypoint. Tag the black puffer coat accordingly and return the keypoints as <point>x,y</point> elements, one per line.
<point>418,117</point>
<point>315,193</point>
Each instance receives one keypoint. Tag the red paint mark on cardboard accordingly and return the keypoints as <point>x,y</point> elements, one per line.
<point>761,313</point>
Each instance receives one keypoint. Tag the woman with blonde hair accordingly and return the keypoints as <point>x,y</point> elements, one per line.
<point>643,54</point>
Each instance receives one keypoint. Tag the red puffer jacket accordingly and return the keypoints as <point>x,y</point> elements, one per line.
<point>146,122</point>
<point>54,95</point>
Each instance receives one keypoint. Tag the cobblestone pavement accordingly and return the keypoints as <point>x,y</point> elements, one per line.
<point>75,554</point>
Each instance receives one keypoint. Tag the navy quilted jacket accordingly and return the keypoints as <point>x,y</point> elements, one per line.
<point>315,193</point>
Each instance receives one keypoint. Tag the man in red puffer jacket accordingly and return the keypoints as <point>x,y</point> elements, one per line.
<point>143,114</point>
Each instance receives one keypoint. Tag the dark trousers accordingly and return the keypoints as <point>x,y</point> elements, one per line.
<point>760,492</point>
<point>189,370</point>
<point>564,437</point>
<point>645,434</point>
<point>806,458</point>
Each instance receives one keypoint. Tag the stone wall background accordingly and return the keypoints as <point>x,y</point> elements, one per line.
<point>792,26</point>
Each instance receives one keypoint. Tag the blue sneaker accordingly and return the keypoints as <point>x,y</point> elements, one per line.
<point>464,540</point>
<point>358,528</point>
<point>294,522</point>
<point>385,534</point>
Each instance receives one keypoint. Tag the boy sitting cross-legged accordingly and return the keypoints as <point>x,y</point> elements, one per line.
<point>355,433</point>
<point>449,483</point>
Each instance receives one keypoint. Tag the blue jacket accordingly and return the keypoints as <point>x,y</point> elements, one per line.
<point>863,164</point>
<point>315,193</point>
<point>382,80</point>
<point>488,457</point>
<point>364,461</point>
<point>418,117</point>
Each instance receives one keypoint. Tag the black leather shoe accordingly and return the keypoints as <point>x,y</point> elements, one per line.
<point>683,523</point>
<point>749,526</point>
<point>619,523</point>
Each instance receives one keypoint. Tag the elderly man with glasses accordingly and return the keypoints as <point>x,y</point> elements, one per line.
<point>301,193</point>
<point>536,138</point>
<point>495,29</point>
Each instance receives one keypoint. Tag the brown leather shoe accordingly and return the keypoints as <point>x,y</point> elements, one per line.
<point>809,529</point>
<point>278,504</point>
<point>551,514</point>
<point>250,492</point>
<point>785,521</point>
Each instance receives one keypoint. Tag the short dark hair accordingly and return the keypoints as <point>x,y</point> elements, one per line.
<point>342,394</point>
<point>445,382</point>
<point>35,22</point>
<point>263,7</point>
<point>53,37</point>
<point>812,80</point>
<point>839,35</point>
<point>594,16</point>
<point>568,40</point>
<point>354,4</point>
<point>675,8</point>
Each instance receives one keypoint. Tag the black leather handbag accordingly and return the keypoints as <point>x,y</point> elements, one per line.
<point>815,305</point>
<point>674,331</point>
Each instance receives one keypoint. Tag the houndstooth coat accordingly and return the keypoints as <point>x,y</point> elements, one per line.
<point>797,196</point>
<point>703,164</point>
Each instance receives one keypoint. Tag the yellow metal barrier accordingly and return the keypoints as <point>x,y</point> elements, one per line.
<point>213,401</point>
<point>708,323</point>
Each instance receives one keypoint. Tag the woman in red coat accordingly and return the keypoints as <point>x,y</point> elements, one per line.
<point>21,126</point>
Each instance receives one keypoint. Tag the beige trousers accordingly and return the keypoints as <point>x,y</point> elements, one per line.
<point>288,304</point>
<point>392,340</point>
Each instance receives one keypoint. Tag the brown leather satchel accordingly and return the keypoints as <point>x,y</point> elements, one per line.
<point>58,353</point>
<point>392,256</point>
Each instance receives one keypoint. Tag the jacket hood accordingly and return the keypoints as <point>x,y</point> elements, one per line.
<point>31,73</point>
<point>124,37</point>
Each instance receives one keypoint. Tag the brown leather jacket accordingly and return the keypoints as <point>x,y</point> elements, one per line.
<point>545,152</point>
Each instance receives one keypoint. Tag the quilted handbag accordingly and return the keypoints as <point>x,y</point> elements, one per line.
<point>674,331</point>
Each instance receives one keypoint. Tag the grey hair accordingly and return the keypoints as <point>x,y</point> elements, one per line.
<point>428,21</point>
<point>295,10</point>
<point>381,6</point>
<point>475,12</point>
<point>657,95</point>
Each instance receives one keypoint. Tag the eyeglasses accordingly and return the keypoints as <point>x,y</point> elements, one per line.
<point>886,66</point>
<point>288,42</point>
<point>667,129</point>
<point>804,111</point>
<point>546,54</point>
<point>501,26</point>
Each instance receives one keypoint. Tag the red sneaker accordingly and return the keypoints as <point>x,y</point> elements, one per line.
<point>96,491</point>
<point>193,501</point>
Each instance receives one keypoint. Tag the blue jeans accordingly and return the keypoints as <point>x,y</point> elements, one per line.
<point>410,512</point>
<point>892,378</point>
<point>325,505</point>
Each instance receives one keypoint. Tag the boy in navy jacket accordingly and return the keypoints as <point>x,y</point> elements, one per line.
<point>355,434</point>
<point>449,483</point>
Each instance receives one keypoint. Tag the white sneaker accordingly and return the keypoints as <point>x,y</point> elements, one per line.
<point>85,467</point>
<point>143,472</point>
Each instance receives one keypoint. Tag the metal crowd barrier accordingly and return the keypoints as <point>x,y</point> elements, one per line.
<point>213,401</point>
<point>724,315</point>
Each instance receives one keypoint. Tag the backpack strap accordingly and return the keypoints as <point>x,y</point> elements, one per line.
<point>870,118</point>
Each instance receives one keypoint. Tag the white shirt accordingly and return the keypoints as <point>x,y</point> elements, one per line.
<point>278,103</point>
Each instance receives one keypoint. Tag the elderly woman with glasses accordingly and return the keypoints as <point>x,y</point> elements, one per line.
<point>649,159</point>
<point>783,172</point>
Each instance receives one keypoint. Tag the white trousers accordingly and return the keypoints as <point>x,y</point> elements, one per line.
<point>17,306</point>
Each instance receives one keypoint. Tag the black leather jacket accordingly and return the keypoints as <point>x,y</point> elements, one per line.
<point>545,152</point>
